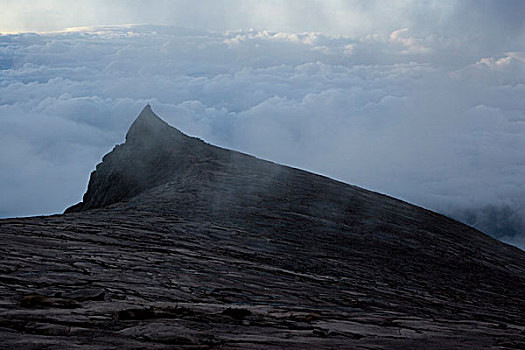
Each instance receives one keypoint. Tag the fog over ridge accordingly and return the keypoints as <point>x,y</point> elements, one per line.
<point>425,118</point>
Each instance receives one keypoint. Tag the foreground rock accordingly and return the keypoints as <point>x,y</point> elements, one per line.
<point>179,244</point>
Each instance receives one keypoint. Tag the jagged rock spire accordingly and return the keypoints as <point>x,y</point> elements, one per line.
<point>153,151</point>
<point>148,125</point>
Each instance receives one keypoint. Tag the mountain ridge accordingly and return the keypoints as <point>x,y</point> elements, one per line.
<point>177,152</point>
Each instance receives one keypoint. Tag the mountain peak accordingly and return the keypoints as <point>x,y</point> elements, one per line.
<point>148,114</point>
<point>153,152</point>
<point>147,124</point>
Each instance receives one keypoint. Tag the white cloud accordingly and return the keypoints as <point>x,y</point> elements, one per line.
<point>390,112</point>
<point>411,44</point>
<point>508,68</point>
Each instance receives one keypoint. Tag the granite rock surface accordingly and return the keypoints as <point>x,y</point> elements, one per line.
<point>178,244</point>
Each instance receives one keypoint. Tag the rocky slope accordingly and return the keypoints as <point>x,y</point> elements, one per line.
<point>180,244</point>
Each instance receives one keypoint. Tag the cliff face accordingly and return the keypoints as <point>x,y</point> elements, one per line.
<point>178,243</point>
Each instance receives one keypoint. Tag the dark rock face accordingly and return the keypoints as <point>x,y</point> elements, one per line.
<point>179,244</point>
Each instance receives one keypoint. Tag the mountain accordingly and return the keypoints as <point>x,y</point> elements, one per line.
<point>181,244</point>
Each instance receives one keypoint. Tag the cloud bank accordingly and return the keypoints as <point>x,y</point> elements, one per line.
<point>431,119</point>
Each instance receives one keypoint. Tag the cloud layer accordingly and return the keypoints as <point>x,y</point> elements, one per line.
<point>435,120</point>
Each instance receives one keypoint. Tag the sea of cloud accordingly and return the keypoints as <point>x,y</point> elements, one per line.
<point>428,119</point>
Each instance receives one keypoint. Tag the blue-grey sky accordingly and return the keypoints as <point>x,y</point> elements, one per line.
<point>422,100</point>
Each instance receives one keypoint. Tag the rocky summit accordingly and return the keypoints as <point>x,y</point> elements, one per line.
<point>179,244</point>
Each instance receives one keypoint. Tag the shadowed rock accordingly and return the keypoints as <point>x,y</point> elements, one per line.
<point>182,244</point>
